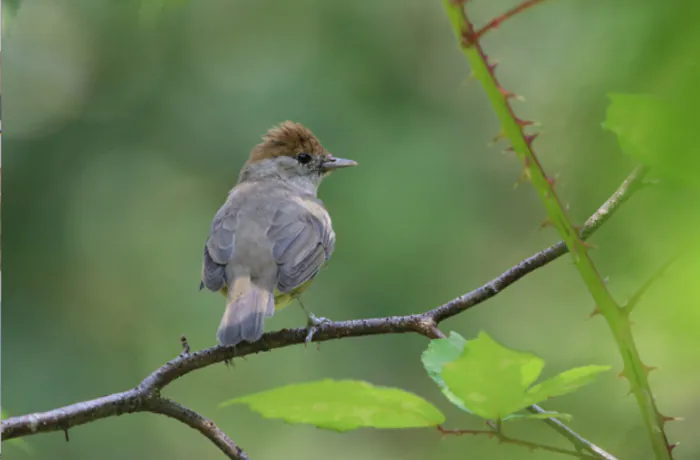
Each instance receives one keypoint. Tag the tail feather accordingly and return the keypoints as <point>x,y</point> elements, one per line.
<point>248,305</point>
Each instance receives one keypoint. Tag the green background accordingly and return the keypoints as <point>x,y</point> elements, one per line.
<point>125,124</point>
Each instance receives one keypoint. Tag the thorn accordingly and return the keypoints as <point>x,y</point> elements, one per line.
<point>548,222</point>
<point>672,446</point>
<point>551,181</point>
<point>596,311</point>
<point>587,245</point>
<point>530,138</point>
<point>510,94</point>
<point>666,419</point>
<point>621,374</point>
<point>505,92</point>
<point>65,432</point>
<point>648,369</point>
<point>492,64</point>
<point>524,123</point>
<point>468,38</point>
<point>525,174</point>
<point>500,135</point>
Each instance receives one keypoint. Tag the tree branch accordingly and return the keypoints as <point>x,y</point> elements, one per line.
<point>146,396</point>
<point>203,425</point>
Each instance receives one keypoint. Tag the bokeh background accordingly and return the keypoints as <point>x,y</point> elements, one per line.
<point>125,124</point>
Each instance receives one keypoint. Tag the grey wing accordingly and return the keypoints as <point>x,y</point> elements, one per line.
<point>302,243</point>
<point>218,250</point>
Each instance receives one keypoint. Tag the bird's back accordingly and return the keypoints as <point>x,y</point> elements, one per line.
<point>262,228</point>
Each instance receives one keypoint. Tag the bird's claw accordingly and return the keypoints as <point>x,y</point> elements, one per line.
<point>314,323</point>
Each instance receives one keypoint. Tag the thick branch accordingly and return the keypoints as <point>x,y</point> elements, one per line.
<point>146,396</point>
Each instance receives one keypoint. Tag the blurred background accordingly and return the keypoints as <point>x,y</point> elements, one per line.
<point>125,124</point>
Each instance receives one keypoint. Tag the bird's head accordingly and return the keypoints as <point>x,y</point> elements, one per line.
<point>290,152</point>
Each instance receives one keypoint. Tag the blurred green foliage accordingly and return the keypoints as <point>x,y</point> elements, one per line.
<point>125,123</point>
<point>658,133</point>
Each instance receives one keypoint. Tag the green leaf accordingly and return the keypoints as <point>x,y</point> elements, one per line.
<point>565,383</point>
<point>494,382</point>
<point>659,132</point>
<point>343,405</point>
<point>439,353</point>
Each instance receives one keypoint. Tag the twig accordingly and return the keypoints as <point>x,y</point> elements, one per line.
<point>576,439</point>
<point>498,20</point>
<point>194,420</point>
<point>519,442</point>
<point>185,345</point>
<point>146,396</point>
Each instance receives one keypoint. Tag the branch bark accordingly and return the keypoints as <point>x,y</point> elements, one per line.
<point>146,396</point>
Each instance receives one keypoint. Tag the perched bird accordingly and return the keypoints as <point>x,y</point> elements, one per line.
<point>271,237</point>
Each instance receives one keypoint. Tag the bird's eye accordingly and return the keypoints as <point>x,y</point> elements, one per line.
<point>303,158</point>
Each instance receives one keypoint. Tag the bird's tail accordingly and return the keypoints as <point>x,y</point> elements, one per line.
<point>248,305</point>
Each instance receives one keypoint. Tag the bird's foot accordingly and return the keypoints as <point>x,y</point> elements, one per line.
<point>314,322</point>
<point>229,361</point>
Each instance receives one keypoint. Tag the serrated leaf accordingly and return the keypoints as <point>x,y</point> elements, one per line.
<point>439,353</point>
<point>659,132</point>
<point>343,405</point>
<point>494,382</point>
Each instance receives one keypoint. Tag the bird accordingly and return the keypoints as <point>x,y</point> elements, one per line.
<point>273,234</point>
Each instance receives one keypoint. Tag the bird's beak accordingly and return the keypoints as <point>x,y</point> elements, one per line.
<point>333,163</point>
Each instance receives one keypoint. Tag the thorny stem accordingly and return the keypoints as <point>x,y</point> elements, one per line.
<point>634,369</point>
